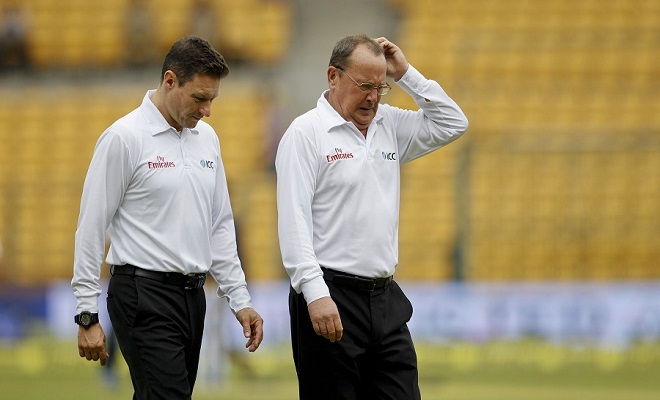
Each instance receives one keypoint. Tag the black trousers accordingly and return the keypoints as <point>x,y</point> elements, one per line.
<point>374,360</point>
<point>159,331</point>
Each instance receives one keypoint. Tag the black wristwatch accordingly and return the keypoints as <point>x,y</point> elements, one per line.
<point>86,319</point>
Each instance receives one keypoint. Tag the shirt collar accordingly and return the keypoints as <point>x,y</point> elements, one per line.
<point>331,118</point>
<point>155,120</point>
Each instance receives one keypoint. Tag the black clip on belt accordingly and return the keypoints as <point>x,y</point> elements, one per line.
<point>188,282</point>
<point>354,281</point>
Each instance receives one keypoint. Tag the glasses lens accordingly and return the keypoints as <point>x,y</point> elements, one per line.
<point>367,87</point>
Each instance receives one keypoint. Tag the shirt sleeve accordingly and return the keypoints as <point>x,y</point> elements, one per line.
<point>105,184</point>
<point>226,266</point>
<point>297,167</point>
<point>438,122</point>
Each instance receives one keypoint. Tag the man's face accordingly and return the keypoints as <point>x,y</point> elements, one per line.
<point>347,98</point>
<point>189,103</point>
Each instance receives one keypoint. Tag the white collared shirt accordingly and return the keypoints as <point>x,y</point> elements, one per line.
<point>338,193</point>
<point>162,196</point>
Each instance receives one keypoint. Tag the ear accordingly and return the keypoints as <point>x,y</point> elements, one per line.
<point>333,76</point>
<point>169,79</point>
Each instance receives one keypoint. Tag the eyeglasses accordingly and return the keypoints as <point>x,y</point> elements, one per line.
<point>368,87</point>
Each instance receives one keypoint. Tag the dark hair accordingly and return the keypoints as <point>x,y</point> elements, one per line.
<point>341,54</point>
<point>193,55</point>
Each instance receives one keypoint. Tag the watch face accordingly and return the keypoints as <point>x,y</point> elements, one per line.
<point>85,319</point>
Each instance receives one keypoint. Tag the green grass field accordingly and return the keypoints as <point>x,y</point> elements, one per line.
<point>43,368</point>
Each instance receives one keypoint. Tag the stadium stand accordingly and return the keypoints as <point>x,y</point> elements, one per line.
<point>45,149</point>
<point>557,179</point>
<point>562,99</point>
<point>81,34</point>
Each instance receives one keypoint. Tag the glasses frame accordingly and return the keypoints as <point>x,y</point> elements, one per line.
<point>367,87</point>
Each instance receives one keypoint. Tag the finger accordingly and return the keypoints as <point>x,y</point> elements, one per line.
<point>317,328</point>
<point>247,329</point>
<point>332,333</point>
<point>339,331</point>
<point>104,358</point>
<point>254,342</point>
<point>251,338</point>
<point>385,44</point>
<point>323,328</point>
<point>258,334</point>
<point>257,342</point>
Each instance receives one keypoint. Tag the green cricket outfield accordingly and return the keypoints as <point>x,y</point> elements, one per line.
<point>44,368</point>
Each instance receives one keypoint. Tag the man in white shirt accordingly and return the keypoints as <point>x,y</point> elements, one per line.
<point>338,189</point>
<point>156,182</point>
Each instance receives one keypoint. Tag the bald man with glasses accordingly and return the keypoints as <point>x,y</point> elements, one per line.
<point>338,190</point>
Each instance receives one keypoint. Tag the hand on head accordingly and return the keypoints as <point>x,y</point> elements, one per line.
<point>397,65</point>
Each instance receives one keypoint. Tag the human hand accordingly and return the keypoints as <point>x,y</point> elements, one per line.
<point>91,344</point>
<point>397,65</point>
<point>253,327</point>
<point>325,319</point>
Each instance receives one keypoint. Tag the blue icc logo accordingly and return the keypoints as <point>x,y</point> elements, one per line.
<point>206,164</point>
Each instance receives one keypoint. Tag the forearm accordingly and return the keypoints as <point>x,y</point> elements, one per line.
<point>434,102</point>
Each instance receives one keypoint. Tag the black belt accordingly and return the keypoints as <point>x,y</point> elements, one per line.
<point>355,281</point>
<point>188,282</point>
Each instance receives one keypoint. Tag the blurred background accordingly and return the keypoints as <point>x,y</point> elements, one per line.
<point>530,248</point>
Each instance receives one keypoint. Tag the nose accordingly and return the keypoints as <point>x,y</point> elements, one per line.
<point>373,95</point>
<point>205,110</point>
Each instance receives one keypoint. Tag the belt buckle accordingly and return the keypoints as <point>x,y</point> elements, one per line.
<point>368,285</point>
<point>194,281</point>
